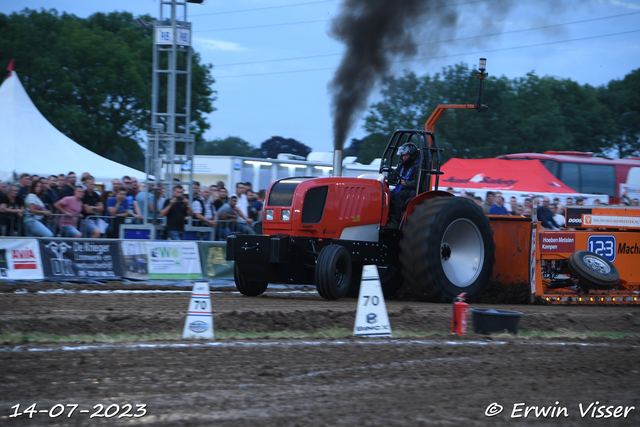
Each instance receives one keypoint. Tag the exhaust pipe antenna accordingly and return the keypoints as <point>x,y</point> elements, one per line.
<point>337,163</point>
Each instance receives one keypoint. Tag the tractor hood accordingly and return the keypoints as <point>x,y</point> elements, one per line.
<point>327,207</point>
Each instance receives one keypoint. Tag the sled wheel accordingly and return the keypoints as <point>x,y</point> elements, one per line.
<point>391,280</point>
<point>593,271</point>
<point>250,289</point>
<point>447,248</point>
<point>333,272</point>
<point>356,280</point>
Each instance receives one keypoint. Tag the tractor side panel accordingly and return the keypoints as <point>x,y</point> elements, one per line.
<point>512,236</point>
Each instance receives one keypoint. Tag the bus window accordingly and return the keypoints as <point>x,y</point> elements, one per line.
<point>598,179</point>
<point>570,175</point>
<point>552,166</point>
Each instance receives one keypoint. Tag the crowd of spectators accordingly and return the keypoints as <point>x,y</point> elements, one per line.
<point>60,205</point>
<point>550,214</point>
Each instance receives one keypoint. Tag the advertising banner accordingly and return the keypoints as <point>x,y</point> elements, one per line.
<point>558,242</point>
<point>173,260</point>
<point>214,262</point>
<point>20,260</point>
<point>81,259</point>
<point>135,259</point>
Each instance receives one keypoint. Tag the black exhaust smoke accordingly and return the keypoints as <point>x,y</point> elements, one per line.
<point>378,33</point>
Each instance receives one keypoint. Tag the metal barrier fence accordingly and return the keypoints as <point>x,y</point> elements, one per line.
<point>15,226</point>
<point>103,222</point>
<point>11,224</point>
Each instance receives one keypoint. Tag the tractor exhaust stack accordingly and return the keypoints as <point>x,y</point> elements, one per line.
<point>337,163</point>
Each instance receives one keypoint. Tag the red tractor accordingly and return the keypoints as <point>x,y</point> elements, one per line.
<point>321,231</point>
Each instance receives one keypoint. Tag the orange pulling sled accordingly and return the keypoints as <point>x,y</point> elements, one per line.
<point>596,260</point>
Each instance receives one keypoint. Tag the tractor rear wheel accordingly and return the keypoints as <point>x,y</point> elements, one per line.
<point>390,279</point>
<point>447,248</point>
<point>356,280</point>
<point>246,287</point>
<point>333,272</point>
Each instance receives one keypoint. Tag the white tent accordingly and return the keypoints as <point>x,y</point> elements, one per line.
<point>29,143</point>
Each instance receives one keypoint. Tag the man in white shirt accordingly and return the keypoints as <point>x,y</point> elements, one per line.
<point>558,214</point>
<point>242,207</point>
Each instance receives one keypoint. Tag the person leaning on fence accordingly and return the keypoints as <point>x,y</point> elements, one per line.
<point>92,206</point>
<point>11,212</point>
<point>71,207</point>
<point>229,212</point>
<point>119,207</point>
<point>37,211</point>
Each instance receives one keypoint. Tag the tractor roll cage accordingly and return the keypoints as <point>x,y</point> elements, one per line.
<point>429,163</point>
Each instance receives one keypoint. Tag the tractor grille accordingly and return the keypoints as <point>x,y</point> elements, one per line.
<point>352,202</point>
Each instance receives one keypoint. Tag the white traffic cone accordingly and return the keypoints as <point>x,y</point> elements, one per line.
<point>199,323</point>
<point>372,319</point>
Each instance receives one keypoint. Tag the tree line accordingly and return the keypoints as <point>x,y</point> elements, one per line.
<point>526,114</point>
<point>91,78</point>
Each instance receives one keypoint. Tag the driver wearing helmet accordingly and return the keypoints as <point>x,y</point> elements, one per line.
<point>407,171</point>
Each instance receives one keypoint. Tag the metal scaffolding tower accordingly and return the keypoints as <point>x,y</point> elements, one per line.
<point>171,146</point>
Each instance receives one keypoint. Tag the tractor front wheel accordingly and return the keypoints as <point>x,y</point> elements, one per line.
<point>333,272</point>
<point>246,287</point>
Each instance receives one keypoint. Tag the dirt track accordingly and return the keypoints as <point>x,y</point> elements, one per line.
<point>437,380</point>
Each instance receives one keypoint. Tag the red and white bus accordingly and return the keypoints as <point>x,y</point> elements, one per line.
<point>585,173</point>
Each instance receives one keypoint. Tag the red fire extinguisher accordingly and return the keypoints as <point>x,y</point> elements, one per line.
<point>459,319</point>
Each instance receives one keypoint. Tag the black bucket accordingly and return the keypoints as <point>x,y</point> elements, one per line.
<point>487,321</point>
